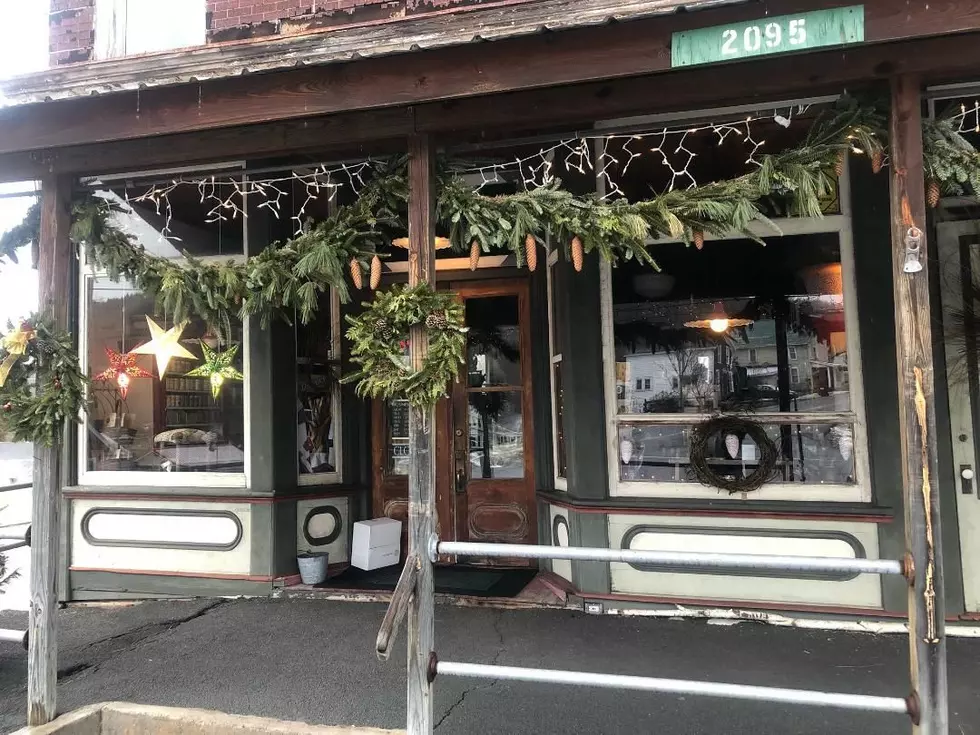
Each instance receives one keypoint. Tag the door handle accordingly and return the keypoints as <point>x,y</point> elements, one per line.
<point>460,472</point>
<point>966,479</point>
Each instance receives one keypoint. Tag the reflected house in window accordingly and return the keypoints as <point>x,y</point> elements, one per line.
<point>789,356</point>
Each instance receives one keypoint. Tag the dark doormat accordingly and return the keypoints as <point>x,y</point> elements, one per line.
<point>455,580</point>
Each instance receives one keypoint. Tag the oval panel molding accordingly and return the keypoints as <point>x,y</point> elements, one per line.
<point>780,542</point>
<point>322,525</point>
<point>559,531</point>
<point>162,528</point>
<point>498,520</point>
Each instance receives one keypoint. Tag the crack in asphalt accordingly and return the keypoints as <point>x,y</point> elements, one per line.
<point>138,636</point>
<point>497,618</point>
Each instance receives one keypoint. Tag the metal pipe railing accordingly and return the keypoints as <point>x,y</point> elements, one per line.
<point>684,559</point>
<point>866,703</point>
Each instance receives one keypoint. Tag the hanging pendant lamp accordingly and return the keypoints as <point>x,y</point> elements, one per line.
<point>718,320</point>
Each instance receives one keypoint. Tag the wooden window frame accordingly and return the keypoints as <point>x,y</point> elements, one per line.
<point>561,482</point>
<point>336,407</point>
<point>859,491</point>
<point>117,478</point>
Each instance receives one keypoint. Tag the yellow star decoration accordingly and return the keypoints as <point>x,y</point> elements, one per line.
<point>164,345</point>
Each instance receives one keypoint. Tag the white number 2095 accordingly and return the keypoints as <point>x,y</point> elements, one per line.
<point>751,39</point>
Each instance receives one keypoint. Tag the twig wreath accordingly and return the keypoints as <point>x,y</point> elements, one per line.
<point>701,438</point>
<point>379,338</point>
<point>41,384</point>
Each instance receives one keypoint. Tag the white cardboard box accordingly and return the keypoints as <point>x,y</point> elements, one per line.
<point>376,543</point>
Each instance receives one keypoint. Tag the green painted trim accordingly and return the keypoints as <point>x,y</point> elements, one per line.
<point>952,557</point>
<point>263,539</point>
<point>544,471</point>
<point>871,230</point>
<point>284,534</point>
<point>590,530</point>
<point>583,379</point>
<point>680,505</point>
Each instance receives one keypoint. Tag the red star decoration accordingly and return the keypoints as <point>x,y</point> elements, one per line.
<point>122,367</point>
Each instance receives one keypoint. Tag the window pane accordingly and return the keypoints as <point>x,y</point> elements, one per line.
<point>154,417</point>
<point>807,454</point>
<point>396,422</point>
<point>493,341</point>
<point>789,352</point>
<point>496,435</point>
<point>316,382</point>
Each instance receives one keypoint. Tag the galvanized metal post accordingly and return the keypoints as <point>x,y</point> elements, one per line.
<point>421,430</point>
<point>917,415</point>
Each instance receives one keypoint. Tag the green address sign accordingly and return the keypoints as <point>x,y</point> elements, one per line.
<point>775,35</point>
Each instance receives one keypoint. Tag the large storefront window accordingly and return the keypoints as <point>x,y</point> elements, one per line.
<point>736,329</point>
<point>156,404</point>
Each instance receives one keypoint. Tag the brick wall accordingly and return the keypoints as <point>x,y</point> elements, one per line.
<point>72,30</point>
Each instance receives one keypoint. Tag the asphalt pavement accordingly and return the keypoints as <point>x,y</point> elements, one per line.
<point>313,661</point>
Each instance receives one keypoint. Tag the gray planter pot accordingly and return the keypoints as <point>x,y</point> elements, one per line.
<point>313,567</point>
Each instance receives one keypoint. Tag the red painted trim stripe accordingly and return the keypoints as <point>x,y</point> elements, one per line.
<point>167,498</point>
<point>195,575</point>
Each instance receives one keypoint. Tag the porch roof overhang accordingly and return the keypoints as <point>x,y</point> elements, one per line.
<point>441,29</point>
<point>524,80</point>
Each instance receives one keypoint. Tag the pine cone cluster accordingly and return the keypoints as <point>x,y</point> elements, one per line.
<point>384,329</point>
<point>437,320</point>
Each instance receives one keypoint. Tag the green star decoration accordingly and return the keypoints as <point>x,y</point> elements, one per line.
<point>217,367</point>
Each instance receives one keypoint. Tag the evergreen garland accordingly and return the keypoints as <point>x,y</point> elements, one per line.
<point>949,158</point>
<point>45,386</point>
<point>379,339</point>
<point>288,278</point>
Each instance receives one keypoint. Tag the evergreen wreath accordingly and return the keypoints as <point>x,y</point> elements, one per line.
<point>43,385</point>
<point>703,433</point>
<point>379,338</point>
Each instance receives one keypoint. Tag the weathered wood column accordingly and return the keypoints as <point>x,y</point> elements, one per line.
<point>917,415</point>
<point>54,273</point>
<point>421,429</point>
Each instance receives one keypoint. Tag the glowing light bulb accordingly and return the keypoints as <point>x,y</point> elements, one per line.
<point>718,325</point>
<point>122,380</point>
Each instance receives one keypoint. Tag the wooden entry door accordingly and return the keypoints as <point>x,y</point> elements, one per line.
<point>484,432</point>
<point>491,432</point>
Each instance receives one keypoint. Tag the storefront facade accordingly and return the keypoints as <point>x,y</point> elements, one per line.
<point>572,423</point>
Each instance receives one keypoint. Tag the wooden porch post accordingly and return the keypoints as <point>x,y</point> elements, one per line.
<point>54,273</point>
<point>917,415</point>
<point>421,428</point>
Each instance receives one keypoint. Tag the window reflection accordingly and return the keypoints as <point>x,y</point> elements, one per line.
<point>790,356</point>
<point>496,430</point>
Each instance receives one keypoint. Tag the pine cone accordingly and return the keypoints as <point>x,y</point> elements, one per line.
<point>877,160</point>
<point>839,165</point>
<point>578,253</point>
<point>436,321</point>
<point>531,252</point>
<point>474,255</point>
<point>355,273</point>
<point>697,237</point>
<point>375,273</point>
<point>933,193</point>
<point>383,329</point>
